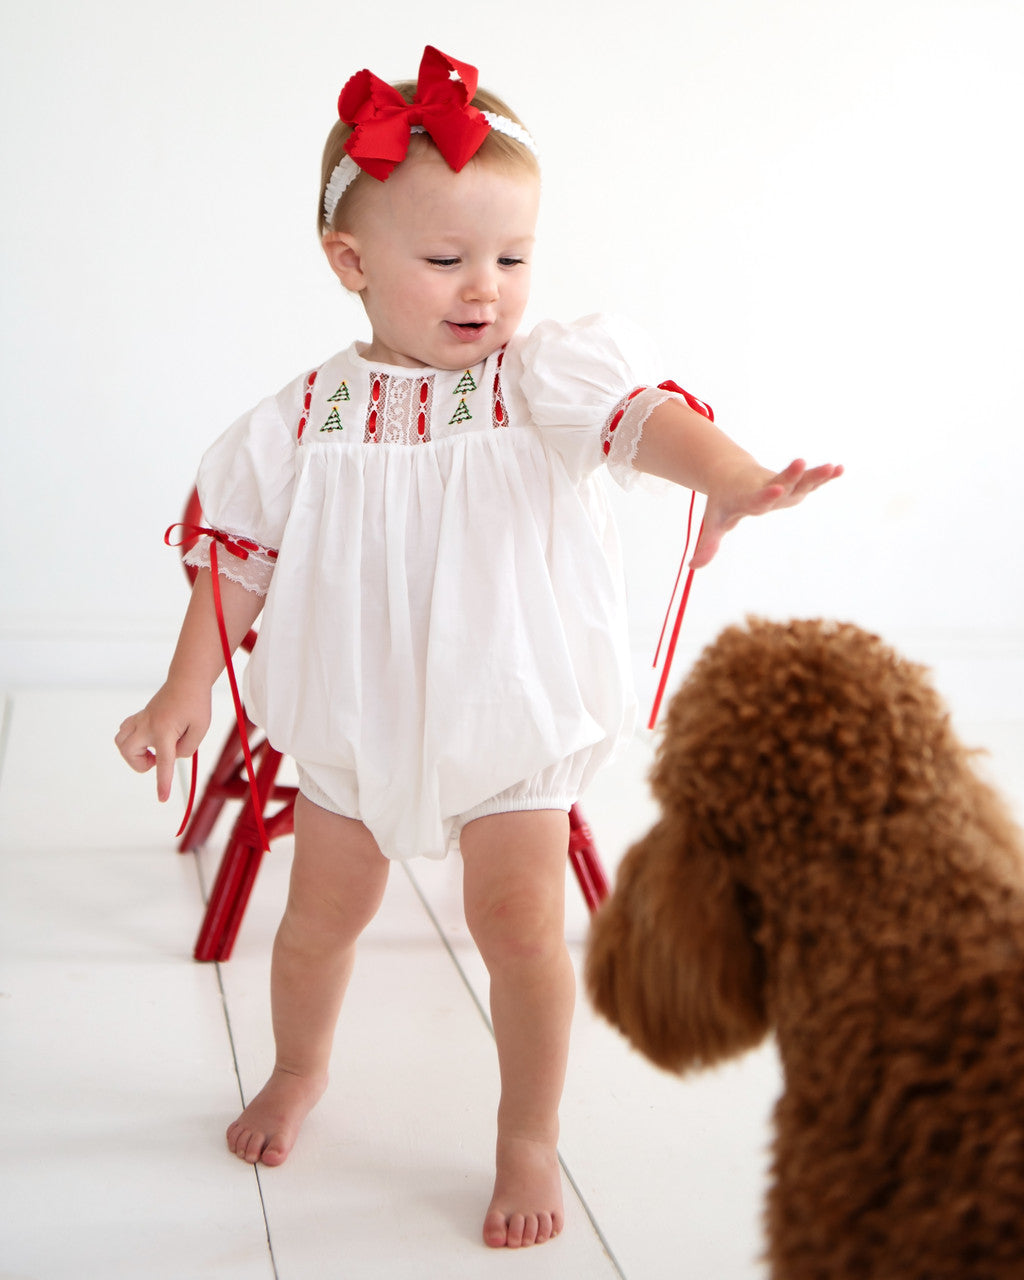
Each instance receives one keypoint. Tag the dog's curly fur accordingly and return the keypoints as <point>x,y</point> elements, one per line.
<point>829,866</point>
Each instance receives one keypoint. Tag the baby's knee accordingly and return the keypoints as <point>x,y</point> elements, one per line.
<point>518,926</point>
<point>328,913</point>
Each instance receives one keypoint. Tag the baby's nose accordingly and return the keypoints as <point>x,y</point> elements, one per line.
<point>481,285</point>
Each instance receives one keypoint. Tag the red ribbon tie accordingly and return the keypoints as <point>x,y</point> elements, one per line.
<point>238,547</point>
<point>670,653</point>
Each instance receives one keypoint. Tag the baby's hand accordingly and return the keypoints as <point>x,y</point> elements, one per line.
<point>171,725</point>
<point>725,510</point>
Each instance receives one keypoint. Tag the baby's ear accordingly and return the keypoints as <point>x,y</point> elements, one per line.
<point>342,252</point>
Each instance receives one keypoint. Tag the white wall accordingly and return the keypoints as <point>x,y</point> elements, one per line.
<point>815,206</point>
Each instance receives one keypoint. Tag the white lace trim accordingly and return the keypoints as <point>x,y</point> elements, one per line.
<point>254,573</point>
<point>625,439</point>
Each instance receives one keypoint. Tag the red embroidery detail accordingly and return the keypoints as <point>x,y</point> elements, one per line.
<point>615,419</point>
<point>423,417</point>
<point>499,414</point>
<point>376,407</point>
<point>307,401</point>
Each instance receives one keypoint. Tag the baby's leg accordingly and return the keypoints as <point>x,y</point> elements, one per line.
<point>337,883</point>
<point>515,908</point>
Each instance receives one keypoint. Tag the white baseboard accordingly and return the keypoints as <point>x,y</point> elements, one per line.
<point>981,675</point>
<point>36,661</point>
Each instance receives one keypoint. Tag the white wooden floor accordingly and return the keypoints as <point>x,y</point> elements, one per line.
<point>122,1060</point>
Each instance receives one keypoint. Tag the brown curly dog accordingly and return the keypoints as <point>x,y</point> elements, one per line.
<point>829,866</point>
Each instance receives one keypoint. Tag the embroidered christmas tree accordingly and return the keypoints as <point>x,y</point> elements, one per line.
<point>333,422</point>
<point>340,394</point>
<point>461,414</point>
<point>466,385</point>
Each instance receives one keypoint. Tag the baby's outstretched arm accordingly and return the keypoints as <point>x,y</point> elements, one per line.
<point>176,718</point>
<point>681,445</point>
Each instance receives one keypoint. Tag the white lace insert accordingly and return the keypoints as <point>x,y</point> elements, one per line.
<point>399,409</point>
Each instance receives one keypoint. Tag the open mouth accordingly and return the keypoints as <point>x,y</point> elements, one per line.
<point>467,331</point>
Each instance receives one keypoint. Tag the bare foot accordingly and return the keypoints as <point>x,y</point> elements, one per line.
<point>527,1204</point>
<point>266,1130</point>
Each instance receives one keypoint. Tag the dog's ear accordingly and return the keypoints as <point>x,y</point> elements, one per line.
<point>671,961</point>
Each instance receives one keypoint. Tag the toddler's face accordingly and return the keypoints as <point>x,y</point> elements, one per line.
<point>440,259</point>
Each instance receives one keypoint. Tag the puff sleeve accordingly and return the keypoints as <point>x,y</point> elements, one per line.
<point>587,388</point>
<point>245,487</point>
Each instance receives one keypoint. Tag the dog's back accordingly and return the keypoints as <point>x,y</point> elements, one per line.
<point>899,1146</point>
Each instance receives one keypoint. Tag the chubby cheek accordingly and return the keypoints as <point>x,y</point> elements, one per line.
<point>520,292</point>
<point>512,306</point>
<point>423,298</point>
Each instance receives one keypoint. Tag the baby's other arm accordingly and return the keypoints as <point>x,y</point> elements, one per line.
<point>681,445</point>
<point>176,718</point>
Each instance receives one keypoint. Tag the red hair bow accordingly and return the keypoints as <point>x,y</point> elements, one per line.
<point>382,119</point>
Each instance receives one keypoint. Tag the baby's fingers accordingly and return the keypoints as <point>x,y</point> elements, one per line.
<point>143,749</point>
<point>133,746</point>
<point>166,755</point>
<point>818,476</point>
<point>797,481</point>
<point>792,475</point>
<point>706,549</point>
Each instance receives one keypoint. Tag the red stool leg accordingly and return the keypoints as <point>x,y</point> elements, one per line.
<point>585,862</point>
<point>238,867</point>
<point>225,781</point>
<point>228,898</point>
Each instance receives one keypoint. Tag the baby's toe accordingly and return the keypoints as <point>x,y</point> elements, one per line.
<point>545,1228</point>
<point>516,1231</point>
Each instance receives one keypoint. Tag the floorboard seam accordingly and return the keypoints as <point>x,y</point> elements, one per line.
<point>5,731</point>
<point>605,1244</point>
<point>204,894</point>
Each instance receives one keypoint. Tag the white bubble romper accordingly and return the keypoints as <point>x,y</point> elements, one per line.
<point>444,631</point>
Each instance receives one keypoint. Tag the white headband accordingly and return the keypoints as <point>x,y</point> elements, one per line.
<point>346,171</point>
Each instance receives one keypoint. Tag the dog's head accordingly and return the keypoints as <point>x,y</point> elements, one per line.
<point>798,740</point>
<point>672,959</point>
<point>785,752</point>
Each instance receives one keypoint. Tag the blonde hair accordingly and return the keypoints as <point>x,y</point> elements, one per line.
<point>497,149</point>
